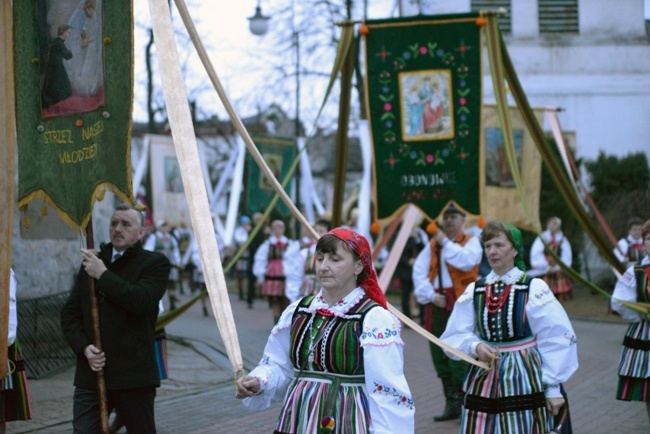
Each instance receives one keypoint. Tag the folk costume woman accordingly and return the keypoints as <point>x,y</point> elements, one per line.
<point>162,241</point>
<point>14,396</point>
<point>634,365</point>
<point>278,268</point>
<point>543,263</point>
<point>513,321</point>
<point>339,353</point>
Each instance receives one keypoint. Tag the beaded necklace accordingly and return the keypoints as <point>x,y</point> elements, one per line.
<point>495,303</point>
<point>314,329</point>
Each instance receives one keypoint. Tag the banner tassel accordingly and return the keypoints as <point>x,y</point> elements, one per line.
<point>25,219</point>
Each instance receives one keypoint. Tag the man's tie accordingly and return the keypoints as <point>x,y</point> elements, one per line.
<point>116,256</point>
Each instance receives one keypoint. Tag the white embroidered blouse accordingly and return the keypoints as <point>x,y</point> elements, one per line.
<point>549,323</point>
<point>625,290</point>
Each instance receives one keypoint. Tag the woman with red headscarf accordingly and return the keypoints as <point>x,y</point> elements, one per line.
<point>339,352</point>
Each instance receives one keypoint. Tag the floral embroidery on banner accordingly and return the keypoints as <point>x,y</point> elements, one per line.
<point>398,398</point>
<point>451,57</point>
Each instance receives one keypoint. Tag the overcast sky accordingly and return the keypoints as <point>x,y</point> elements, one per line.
<point>237,55</point>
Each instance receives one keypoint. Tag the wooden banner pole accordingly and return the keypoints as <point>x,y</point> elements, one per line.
<point>7,174</point>
<point>341,157</point>
<point>97,336</point>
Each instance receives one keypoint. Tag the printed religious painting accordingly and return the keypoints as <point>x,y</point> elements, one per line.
<point>278,153</point>
<point>274,161</point>
<point>71,45</point>
<point>497,170</point>
<point>426,105</point>
<point>173,180</point>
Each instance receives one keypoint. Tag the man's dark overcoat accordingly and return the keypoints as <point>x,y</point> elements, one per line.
<point>128,293</point>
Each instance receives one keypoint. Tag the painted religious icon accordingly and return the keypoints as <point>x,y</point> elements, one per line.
<point>274,161</point>
<point>426,105</point>
<point>497,170</point>
<point>173,180</point>
<point>71,56</point>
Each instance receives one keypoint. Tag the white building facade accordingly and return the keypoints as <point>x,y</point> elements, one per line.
<point>589,57</point>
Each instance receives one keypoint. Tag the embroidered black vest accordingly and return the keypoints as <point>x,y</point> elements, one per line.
<point>509,323</point>
<point>642,283</point>
<point>338,350</point>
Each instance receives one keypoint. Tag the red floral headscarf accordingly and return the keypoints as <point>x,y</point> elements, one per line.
<point>358,244</point>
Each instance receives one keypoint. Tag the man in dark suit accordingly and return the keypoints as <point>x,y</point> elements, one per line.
<point>130,283</point>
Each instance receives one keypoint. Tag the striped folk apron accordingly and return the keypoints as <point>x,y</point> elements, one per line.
<point>330,378</point>
<point>634,364</point>
<point>509,398</point>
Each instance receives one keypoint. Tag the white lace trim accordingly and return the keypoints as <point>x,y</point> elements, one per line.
<point>467,295</point>
<point>342,307</point>
<point>509,278</point>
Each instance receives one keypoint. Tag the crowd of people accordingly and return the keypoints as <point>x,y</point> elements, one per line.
<point>475,293</point>
<point>335,356</point>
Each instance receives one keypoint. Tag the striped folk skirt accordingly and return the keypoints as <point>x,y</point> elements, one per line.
<point>560,285</point>
<point>14,397</point>
<point>273,284</point>
<point>315,395</point>
<point>634,365</point>
<point>508,399</point>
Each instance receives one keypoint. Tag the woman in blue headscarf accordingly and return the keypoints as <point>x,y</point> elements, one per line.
<point>514,322</point>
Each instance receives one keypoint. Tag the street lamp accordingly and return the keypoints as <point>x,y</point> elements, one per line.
<point>258,23</point>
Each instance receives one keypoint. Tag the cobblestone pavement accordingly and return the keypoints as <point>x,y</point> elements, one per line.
<point>199,395</point>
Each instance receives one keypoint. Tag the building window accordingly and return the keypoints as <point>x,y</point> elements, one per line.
<point>487,5</point>
<point>558,16</point>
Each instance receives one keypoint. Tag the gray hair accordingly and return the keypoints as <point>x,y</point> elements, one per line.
<point>127,207</point>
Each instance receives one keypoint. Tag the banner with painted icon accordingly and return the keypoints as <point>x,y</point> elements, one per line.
<point>279,154</point>
<point>423,87</point>
<point>74,96</point>
<point>499,197</point>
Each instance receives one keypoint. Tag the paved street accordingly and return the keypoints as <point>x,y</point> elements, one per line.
<point>199,395</point>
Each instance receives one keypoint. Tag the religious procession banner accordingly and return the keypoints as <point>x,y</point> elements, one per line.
<point>424,94</point>
<point>499,197</point>
<point>168,198</point>
<point>279,154</point>
<point>74,93</point>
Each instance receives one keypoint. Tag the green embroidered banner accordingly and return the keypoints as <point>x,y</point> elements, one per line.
<point>279,154</point>
<point>74,96</point>
<point>423,87</point>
